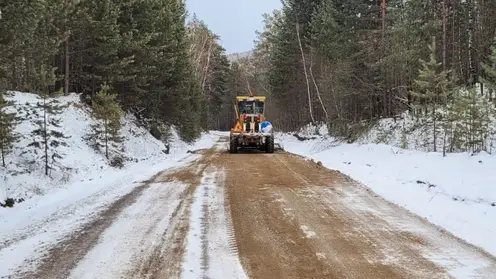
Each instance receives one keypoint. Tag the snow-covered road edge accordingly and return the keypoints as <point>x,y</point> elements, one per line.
<point>456,192</point>
<point>139,226</point>
<point>32,227</point>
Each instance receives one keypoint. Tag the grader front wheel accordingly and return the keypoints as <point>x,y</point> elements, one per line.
<point>233,145</point>
<point>269,144</point>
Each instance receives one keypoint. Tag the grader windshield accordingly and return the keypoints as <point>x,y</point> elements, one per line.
<point>251,107</point>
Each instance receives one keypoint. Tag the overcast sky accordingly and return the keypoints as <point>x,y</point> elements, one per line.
<point>235,21</point>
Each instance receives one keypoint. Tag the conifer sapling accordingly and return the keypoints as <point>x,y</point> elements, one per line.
<point>7,135</point>
<point>108,113</point>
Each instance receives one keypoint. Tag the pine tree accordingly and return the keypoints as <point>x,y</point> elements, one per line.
<point>454,128</point>
<point>329,33</point>
<point>288,74</point>
<point>29,38</point>
<point>432,91</point>
<point>183,91</point>
<point>107,112</point>
<point>477,120</point>
<point>432,88</point>
<point>407,38</point>
<point>468,121</point>
<point>141,43</point>
<point>490,72</point>
<point>49,133</point>
<point>96,42</point>
<point>7,135</point>
<point>192,107</point>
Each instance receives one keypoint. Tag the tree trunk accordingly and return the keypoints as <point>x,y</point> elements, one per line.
<point>207,66</point>
<point>45,134</point>
<point>66,67</point>
<point>3,153</point>
<point>444,34</point>
<point>317,90</point>
<point>386,105</point>
<point>2,142</point>
<point>383,17</point>
<point>434,126</point>
<point>106,138</point>
<point>305,69</point>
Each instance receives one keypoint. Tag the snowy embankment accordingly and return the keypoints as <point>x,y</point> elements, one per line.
<point>80,185</point>
<point>75,163</point>
<point>456,192</point>
<point>83,172</point>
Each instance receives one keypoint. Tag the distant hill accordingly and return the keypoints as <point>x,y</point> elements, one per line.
<point>239,55</point>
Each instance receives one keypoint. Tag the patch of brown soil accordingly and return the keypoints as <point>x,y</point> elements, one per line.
<point>189,174</point>
<point>198,151</point>
<point>270,245</point>
<point>274,198</point>
<point>414,239</point>
<point>186,175</point>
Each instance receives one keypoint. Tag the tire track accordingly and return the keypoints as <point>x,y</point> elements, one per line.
<point>164,259</point>
<point>196,261</point>
<point>63,212</point>
<point>211,250</point>
<point>54,223</point>
<point>296,219</point>
<point>62,258</point>
<point>205,258</point>
<point>224,258</point>
<point>231,234</point>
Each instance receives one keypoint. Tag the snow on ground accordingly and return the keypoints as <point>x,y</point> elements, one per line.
<point>151,228</point>
<point>24,176</point>
<point>82,182</point>
<point>142,227</point>
<point>409,131</point>
<point>210,250</point>
<point>456,192</point>
<point>34,226</point>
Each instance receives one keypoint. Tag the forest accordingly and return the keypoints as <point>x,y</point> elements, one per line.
<point>339,62</point>
<point>163,69</point>
<point>349,62</point>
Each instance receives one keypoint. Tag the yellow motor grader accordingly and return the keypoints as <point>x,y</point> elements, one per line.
<point>251,130</point>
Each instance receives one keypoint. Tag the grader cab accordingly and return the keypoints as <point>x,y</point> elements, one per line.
<point>251,130</point>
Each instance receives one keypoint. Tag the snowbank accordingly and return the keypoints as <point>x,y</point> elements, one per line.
<point>466,123</point>
<point>32,227</point>
<point>456,192</point>
<point>81,164</point>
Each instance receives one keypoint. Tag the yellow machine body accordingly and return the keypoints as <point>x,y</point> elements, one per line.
<point>247,130</point>
<point>246,121</point>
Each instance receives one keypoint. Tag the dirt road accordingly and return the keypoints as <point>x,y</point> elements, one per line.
<point>257,216</point>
